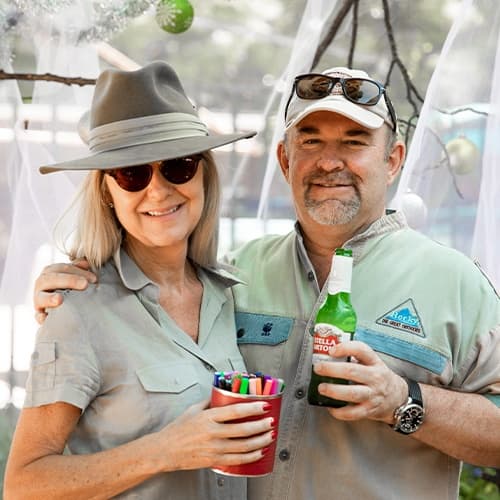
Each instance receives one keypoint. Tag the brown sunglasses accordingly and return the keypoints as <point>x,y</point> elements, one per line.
<point>138,177</point>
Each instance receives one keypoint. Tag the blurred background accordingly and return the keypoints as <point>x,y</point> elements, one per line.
<point>236,59</point>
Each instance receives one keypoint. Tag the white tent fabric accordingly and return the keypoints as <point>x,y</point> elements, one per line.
<point>316,14</point>
<point>450,187</point>
<point>41,132</point>
<point>38,201</point>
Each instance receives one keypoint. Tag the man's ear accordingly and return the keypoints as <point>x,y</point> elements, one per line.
<point>283,159</point>
<point>395,161</point>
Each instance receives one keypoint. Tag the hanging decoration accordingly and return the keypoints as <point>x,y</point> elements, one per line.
<point>106,17</point>
<point>174,16</point>
<point>463,154</point>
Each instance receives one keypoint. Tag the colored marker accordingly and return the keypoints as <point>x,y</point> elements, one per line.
<point>244,385</point>
<point>267,387</point>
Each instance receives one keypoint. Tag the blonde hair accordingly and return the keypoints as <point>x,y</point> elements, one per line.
<point>99,234</point>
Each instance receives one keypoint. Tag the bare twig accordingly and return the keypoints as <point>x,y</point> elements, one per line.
<point>446,162</point>
<point>330,35</point>
<point>354,34</point>
<point>47,77</point>
<point>396,60</point>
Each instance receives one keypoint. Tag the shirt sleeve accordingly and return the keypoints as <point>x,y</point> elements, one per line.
<point>480,369</point>
<point>63,365</point>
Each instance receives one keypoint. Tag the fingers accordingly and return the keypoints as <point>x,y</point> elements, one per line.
<point>373,391</point>
<point>354,348</point>
<point>239,410</point>
<point>81,263</point>
<point>58,276</point>
<point>40,317</point>
<point>241,451</point>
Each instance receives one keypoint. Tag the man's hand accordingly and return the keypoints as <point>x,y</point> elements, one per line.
<point>75,276</point>
<point>375,391</point>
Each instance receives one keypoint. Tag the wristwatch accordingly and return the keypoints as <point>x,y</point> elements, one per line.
<point>409,416</point>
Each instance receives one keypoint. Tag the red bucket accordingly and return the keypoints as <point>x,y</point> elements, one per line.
<point>264,465</point>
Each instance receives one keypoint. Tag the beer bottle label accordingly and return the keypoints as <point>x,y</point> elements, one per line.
<point>326,336</point>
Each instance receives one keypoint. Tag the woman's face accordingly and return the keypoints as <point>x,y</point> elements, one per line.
<point>161,216</point>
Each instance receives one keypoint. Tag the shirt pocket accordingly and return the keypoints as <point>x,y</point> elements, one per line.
<point>170,388</point>
<point>262,329</point>
<point>42,367</point>
<point>264,341</point>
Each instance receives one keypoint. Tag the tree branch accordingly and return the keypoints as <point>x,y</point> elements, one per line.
<point>354,34</point>
<point>47,77</point>
<point>330,35</point>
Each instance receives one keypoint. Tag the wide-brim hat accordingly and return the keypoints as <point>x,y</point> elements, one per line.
<point>372,117</point>
<point>140,117</point>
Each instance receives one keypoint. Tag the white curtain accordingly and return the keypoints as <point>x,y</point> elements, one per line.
<point>316,14</point>
<point>449,187</point>
<point>42,131</point>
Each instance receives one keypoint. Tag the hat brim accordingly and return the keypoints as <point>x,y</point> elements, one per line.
<point>357,113</point>
<point>147,153</point>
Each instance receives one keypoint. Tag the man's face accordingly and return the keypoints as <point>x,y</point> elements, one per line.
<point>338,170</point>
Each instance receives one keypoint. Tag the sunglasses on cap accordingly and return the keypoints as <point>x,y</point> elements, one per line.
<point>138,177</point>
<point>357,90</point>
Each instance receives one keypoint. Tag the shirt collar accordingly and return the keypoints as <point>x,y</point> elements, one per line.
<point>388,223</point>
<point>134,279</point>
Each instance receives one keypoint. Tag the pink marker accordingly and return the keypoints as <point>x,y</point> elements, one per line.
<point>267,387</point>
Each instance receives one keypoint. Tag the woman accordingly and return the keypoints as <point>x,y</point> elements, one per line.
<point>121,373</point>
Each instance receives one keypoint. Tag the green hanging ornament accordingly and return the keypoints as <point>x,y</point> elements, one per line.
<point>174,16</point>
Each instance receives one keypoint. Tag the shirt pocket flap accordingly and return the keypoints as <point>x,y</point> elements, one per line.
<point>254,328</point>
<point>171,377</point>
<point>45,352</point>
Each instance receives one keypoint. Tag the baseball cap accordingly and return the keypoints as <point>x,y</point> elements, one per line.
<point>370,116</point>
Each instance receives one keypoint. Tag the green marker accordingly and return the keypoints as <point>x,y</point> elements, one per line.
<point>244,385</point>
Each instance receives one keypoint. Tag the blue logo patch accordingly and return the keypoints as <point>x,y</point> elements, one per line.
<point>403,317</point>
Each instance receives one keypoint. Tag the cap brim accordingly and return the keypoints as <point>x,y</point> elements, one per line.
<point>357,113</point>
<point>147,153</point>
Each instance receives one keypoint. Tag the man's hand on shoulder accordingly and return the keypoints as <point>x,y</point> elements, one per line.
<point>74,276</point>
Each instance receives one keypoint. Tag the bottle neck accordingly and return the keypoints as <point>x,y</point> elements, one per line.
<point>340,275</point>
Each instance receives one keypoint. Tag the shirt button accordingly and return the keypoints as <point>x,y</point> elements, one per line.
<point>220,481</point>
<point>310,276</point>
<point>300,393</point>
<point>240,333</point>
<point>284,455</point>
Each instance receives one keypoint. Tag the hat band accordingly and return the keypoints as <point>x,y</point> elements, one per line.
<point>145,130</point>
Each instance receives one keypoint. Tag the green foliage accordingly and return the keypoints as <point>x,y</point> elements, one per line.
<point>6,430</point>
<point>475,486</point>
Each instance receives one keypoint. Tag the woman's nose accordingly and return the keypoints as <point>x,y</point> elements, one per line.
<point>159,183</point>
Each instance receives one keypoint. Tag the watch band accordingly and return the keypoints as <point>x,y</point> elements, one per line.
<point>414,391</point>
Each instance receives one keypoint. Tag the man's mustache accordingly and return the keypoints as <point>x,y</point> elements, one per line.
<point>331,178</point>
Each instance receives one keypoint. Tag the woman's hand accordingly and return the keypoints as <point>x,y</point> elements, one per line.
<point>202,438</point>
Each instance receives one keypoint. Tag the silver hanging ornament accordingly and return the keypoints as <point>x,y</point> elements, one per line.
<point>174,16</point>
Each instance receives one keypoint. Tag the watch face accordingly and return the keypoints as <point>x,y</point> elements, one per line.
<point>411,418</point>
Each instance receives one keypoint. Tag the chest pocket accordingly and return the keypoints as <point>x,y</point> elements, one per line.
<point>170,388</point>
<point>399,348</point>
<point>262,329</point>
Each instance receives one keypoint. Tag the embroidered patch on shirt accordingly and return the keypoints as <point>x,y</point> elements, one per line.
<point>403,317</point>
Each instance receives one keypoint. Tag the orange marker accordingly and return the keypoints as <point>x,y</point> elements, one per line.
<point>236,383</point>
<point>258,386</point>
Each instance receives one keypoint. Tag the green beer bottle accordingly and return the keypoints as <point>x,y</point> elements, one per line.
<point>335,323</point>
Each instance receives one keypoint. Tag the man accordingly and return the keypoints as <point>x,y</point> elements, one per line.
<point>425,384</point>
